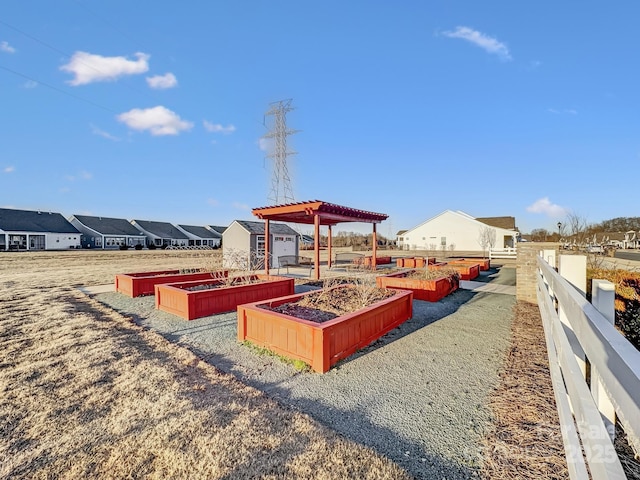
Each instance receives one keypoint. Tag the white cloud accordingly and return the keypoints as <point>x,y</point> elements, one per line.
<point>5,47</point>
<point>84,175</point>
<point>544,206</point>
<point>161,82</point>
<point>213,202</point>
<point>158,120</point>
<point>241,206</point>
<point>101,133</point>
<point>9,169</point>
<point>489,44</point>
<point>89,68</point>
<point>217,128</point>
<point>30,84</point>
<point>566,111</point>
<point>265,144</point>
<point>534,64</point>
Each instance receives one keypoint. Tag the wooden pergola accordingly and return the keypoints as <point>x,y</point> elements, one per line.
<point>316,213</point>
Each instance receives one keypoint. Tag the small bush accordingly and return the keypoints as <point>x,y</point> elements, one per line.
<point>151,246</point>
<point>138,246</point>
<point>124,247</point>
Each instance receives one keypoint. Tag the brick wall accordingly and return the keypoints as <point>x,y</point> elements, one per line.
<point>526,268</point>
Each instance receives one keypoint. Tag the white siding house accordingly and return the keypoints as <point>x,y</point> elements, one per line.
<point>36,230</point>
<point>243,244</point>
<point>458,231</point>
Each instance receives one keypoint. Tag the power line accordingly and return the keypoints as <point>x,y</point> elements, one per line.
<point>77,97</point>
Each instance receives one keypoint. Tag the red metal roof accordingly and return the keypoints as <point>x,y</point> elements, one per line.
<point>329,213</point>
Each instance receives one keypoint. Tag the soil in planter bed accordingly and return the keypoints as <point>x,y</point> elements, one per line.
<point>328,304</point>
<point>232,282</point>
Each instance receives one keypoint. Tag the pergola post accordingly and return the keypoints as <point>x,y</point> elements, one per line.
<point>329,247</point>
<point>266,247</point>
<point>374,239</point>
<point>316,245</point>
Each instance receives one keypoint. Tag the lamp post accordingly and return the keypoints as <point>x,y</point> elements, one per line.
<point>559,227</point>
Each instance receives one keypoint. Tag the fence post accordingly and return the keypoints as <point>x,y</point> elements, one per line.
<point>573,268</point>
<point>603,297</point>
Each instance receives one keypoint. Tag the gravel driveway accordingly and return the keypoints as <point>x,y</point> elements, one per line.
<point>418,395</point>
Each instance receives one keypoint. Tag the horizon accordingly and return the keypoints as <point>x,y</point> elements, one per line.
<point>157,110</point>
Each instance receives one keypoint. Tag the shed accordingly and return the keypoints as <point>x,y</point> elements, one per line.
<point>36,230</point>
<point>201,236</point>
<point>244,244</point>
<point>107,233</point>
<point>161,234</point>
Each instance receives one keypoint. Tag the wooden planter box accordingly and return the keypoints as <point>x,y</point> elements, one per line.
<point>414,262</point>
<point>430,290</point>
<point>175,298</point>
<point>321,345</point>
<point>367,261</point>
<point>143,283</point>
<point>467,272</point>
<point>485,263</point>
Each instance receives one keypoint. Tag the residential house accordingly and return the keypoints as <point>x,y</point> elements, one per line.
<point>161,234</point>
<point>201,236</point>
<point>36,230</point>
<point>243,244</point>
<point>456,230</point>
<point>108,233</point>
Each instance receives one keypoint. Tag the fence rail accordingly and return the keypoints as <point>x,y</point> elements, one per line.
<point>593,368</point>
<point>508,252</point>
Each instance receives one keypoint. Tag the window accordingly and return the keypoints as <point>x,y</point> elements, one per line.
<point>260,246</point>
<point>278,239</point>
<point>443,240</point>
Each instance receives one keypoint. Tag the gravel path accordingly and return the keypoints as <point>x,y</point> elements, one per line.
<point>418,395</point>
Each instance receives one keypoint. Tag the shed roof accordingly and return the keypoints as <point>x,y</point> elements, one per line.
<point>34,221</point>
<point>328,213</point>
<point>257,228</point>
<point>216,228</point>
<point>109,226</point>
<point>160,229</point>
<point>201,232</point>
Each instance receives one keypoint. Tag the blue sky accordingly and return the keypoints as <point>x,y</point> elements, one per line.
<point>154,110</point>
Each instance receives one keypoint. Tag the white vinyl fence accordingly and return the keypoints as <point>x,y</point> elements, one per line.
<point>507,252</point>
<point>583,344</point>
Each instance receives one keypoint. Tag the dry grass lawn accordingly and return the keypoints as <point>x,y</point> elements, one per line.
<point>84,392</point>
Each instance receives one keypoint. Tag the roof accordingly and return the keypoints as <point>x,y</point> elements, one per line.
<point>401,232</point>
<point>257,228</point>
<point>109,226</point>
<point>160,229</point>
<point>201,232</point>
<point>328,213</point>
<point>217,228</point>
<point>34,221</point>
<point>508,223</point>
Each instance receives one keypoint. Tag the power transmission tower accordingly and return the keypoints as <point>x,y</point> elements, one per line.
<point>281,191</point>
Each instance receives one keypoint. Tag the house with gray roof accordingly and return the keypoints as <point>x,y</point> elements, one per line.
<point>201,236</point>
<point>243,244</point>
<point>108,233</point>
<point>161,234</point>
<point>36,230</point>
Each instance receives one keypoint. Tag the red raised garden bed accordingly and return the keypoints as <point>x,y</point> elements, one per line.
<point>430,290</point>
<point>379,261</point>
<point>321,345</point>
<point>414,262</point>
<point>485,263</point>
<point>143,283</point>
<point>467,272</point>
<point>189,304</point>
